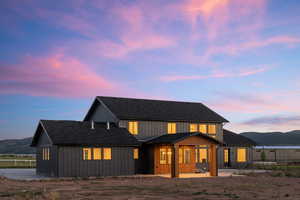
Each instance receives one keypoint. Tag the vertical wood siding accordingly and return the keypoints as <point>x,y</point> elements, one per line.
<point>233,157</point>
<point>71,163</point>
<point>148,129</point>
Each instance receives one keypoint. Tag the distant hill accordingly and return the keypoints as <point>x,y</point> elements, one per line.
<point>274,138</point>
<point>16,146</point>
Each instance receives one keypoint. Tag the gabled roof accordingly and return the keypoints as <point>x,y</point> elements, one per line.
<point>232,139</point>
<point>158,110</point>
<point>80,133</point>
<point>174,138</point>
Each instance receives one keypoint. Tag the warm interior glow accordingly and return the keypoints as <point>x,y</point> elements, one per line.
<point>193,127</point>
<point>212,129</point>
<point>203,128</point>
<point>171,128</point>
<point>97,153</point>
<point>46,154</point>
<point>133,127</point>
<point>87,153</point>
<point>226,155</point>
<point>107,153</point>
<point>187,155</point>
<point>135,153</point>
<point>241,155</point>
<point>201,154</point>
<point>165,156</point>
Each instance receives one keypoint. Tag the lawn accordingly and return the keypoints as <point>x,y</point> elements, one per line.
<point>258,187</point>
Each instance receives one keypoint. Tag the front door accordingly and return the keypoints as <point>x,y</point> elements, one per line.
<point>226,157</point>
<point>186,156</point>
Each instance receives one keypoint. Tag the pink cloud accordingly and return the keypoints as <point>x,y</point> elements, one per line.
<point>217,74</point>
<point>55,75</point>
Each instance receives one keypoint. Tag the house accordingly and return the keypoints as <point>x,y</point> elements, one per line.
<point>125,136</point>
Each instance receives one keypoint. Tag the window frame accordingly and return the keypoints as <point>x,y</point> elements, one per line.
<point>135,153</point>
<point>202,125</point>
<point>133,127</point>
<point>172,128</point>
<point>193,127</point>
<point>99,157</point>
<point>89,153</point>
<point>241,158</point>
<point>105,155</point>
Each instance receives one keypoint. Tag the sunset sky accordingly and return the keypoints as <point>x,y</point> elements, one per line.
<point>239,57</point>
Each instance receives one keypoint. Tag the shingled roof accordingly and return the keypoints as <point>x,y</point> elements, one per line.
<point>174,138</point>
<point>232,139</point>
<point>158,110</point>
<point>80,133</point>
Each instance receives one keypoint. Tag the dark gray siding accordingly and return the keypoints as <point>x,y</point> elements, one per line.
<point>102,114</point>
<point>46,167</point>
<point>71,163</point>
<point>147,129</point>
<point>233,157</point>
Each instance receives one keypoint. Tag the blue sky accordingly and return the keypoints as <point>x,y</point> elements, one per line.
<point>239,57</point>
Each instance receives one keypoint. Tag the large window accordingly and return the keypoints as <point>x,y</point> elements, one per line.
<point>201,152</point>
<point>135,153</point>
<point>107,153</point>
<point>87,153</point>
<point>226,155</point>
<point>46,154</point>
<point>193,127</point>
<point>171,128</point>
<point>97,153</point>
<point>133,127</point>
<point>241,155</point>
<point>203,128</point>
<point>184,155</point>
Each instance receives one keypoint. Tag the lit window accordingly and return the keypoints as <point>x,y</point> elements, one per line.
<point>212,129</point>
<point>180,155</point>
<point>226,155</point>
<point>193,128</point>
<point>107,153</point>
<point>187,156</point>
<point>203,128</point>
<point>163,156</point>
<point>87,153</point>
<point>201,154</point>
<point>97,153</point>
<point>241,155</point>
<point>169,154</point>
<point>135,153</point>
<point>46,154</point>
<point>133,128</point>
<point>171,128</point>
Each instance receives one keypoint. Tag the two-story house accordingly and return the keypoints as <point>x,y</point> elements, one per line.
<point>124,136</point>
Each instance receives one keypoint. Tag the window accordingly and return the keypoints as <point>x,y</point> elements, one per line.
<point>201,154</point>
<point>171,128</point>
<point>180,155</point>
<point>226,155</point>
<point>162,156</point>
<point>133,128</point>
<point>46,154</point>
<point>193,127</point>
<point>187,156</point>
<point>212,129</point>
<point>135,153</point>
<point>241,155</point>
<point>203,128</point>
<point>169,155</point>
<point>87,153</point>
<point>97,154</point>
<point>107,153</point>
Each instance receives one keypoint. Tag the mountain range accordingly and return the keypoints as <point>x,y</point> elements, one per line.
<point>274,138</point>
<point>16,146</point>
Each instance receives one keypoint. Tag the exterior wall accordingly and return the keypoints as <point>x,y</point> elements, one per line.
<point>46,167</point>
<point>277,155</point>
<point>148,129</point>
<point>233,157</point>
<point>71,163</point>
<point>102,114</point>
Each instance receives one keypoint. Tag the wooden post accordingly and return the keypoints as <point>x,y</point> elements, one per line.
<point>213,165</point>
<point>175,163</point>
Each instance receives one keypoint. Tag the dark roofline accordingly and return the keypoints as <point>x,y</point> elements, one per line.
<point>184,136</point>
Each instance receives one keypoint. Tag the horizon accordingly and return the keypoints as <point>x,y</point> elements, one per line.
<point>239,58</point>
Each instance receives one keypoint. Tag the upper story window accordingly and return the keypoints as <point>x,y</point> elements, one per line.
<point>46,154</point>
<point>241,155</point>
<point>193,127</point>
<point>212,130</point>
<point>87,153</point>
<point>133,127</point>
<point>203,128</point>
<point>135,153</point>
<point>171,128</point>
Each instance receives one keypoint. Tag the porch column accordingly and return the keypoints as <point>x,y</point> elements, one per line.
<point>175,163</point>
<point>213,166</point>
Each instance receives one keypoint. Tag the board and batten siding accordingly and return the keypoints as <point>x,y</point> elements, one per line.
<point>233,157</point>
<point>147,129</point>
<point>71,163</point>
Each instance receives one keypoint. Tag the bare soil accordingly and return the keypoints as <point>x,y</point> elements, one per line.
<point>259,186</point>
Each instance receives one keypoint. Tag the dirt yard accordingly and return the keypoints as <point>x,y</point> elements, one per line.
<point>262,186</point>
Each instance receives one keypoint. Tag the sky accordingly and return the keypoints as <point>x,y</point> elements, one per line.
<point>239,57</point>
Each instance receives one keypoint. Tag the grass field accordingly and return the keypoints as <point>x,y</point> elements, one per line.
<point>11,161</point>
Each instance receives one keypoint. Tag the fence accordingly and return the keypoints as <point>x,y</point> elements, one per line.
<point>17,163</point>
